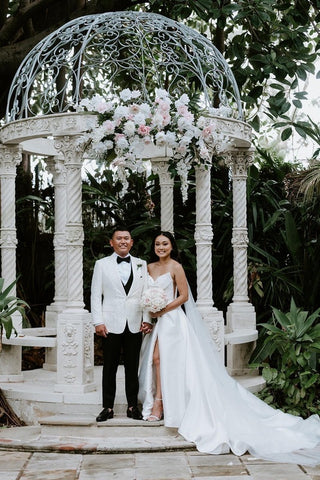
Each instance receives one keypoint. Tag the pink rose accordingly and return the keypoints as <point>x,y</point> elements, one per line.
<point>182,109</point>
<point>207,131</point>
<point>144,130</point>
<point>109,126</point>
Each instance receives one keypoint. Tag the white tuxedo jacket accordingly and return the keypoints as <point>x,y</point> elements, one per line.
<point>109,303</point>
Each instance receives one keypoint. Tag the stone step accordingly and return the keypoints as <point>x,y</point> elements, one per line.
<point>119,435</point>
<point>30,341</point>
<point>117,421</point>
<point>239,337</point>
<point>36,398</point>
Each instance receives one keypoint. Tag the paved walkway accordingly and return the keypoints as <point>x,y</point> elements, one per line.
<point>145,466</point>
<point>122,449</point>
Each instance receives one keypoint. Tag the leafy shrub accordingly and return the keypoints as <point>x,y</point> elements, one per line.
<point>288,352</point>
<point>9,304</point>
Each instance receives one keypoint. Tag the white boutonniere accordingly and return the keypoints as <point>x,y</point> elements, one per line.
<point>139,266</point>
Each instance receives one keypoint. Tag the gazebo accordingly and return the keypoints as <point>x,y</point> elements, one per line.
<point>106,52</point>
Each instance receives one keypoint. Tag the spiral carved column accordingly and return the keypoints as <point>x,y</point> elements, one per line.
<point>10,157</point>
<point>160,167</point>
<point>241,318</point>
<point>75,360</point>
<point>203,239</point>
<point>56,167</point>
<point>68,146</point>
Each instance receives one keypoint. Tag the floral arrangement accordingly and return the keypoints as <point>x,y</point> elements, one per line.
<point>154,299</point>
<point>127,124</point>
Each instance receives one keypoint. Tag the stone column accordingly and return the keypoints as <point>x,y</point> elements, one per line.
<point>160,167</point>
<point>240,314</point>
<point>75,361</point>
<point>56,167</point>
<point>203,239</point>
<point>10,157</point>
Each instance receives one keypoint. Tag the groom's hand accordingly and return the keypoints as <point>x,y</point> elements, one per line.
<point>146,327</point>
<point>101,330</point>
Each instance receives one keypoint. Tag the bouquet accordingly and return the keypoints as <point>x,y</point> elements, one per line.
<point>154,299</point>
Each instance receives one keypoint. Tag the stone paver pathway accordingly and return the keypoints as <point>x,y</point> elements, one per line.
<point>145,466</point>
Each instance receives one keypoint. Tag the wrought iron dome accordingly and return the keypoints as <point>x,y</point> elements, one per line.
<point>108,52</point>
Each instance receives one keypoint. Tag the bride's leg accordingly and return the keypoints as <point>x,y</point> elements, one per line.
<point>157,409</point>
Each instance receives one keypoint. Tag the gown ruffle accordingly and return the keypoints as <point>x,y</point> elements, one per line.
<point>206,405</point>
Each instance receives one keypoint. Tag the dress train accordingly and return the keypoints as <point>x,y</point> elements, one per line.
<point>206,405</point>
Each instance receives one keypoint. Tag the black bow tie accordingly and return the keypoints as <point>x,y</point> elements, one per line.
<point>123,259</point>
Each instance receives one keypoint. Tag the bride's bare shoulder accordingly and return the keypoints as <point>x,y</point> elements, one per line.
<point>177,267</point>
<point>151,266</point>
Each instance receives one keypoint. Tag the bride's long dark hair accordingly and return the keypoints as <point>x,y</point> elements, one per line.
<point>174,252</point>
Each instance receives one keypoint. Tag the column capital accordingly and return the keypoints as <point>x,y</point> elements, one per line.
<point>10,157</point>
<point>160,168</point>
<point>239,161</point>
<point>71,149</point>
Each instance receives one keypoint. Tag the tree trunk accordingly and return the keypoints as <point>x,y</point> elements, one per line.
<point>7,416</point>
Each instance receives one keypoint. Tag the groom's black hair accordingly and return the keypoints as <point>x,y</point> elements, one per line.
<point>120,228</point>
<point>174,252</point>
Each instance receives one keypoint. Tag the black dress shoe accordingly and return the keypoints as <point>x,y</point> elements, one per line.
<point>134,412</point>
<point>106,414</point>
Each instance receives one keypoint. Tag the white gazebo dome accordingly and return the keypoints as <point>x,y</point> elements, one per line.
<point>112,50</point>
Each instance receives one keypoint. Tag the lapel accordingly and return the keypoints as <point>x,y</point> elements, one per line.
<point>137,273</point>
<point>134,272</point>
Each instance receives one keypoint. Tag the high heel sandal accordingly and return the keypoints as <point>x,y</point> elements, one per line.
<point>155,418</point>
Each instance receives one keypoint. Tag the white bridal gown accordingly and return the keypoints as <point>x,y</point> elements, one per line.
<point>209,407</point>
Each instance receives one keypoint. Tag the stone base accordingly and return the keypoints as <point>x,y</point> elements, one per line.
<point>238,357</point>
<point>51,354</point>
<point>241,316</point>
<point>10,363</point>
<point>75,356</point>
<point>215,322</point>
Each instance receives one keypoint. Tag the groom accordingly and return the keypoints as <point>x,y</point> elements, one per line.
<point>117,285</point>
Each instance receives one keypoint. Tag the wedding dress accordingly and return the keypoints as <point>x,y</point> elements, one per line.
<point>205,404</point>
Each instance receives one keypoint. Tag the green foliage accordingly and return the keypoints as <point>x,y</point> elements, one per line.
<point>283,239</point>
<point>290,343</point>
<point>9,304</point>
<point>270,45</point>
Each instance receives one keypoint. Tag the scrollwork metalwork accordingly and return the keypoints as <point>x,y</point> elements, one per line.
<point>103,52</point>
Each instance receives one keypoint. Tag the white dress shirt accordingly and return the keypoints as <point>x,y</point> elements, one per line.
<point>124,269</point>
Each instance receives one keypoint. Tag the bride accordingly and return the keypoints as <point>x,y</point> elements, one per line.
<point>183,381</point>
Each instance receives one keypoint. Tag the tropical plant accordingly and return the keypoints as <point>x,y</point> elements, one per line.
<point>287,352</point>
<point>9,304</point>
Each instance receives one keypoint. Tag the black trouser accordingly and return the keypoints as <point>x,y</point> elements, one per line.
<point>130,343</point>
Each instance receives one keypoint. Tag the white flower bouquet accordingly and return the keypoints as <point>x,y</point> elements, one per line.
<point>154,299</point>
<point>127,123</point>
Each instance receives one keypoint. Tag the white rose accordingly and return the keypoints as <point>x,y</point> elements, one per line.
<point>129,128</point>
<point>125,94</point>
<point>161,139</point>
